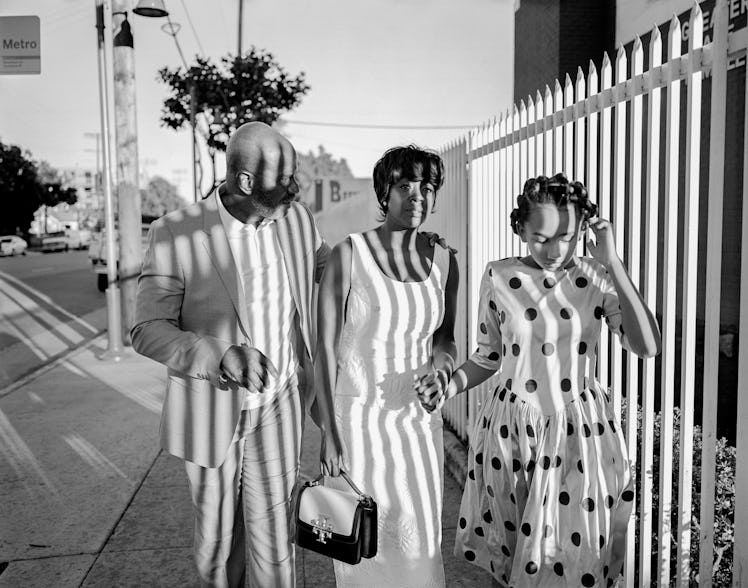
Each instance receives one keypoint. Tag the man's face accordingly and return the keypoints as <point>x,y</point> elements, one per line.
<point>269,204</point>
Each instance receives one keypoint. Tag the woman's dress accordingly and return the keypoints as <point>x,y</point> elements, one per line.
<point>395,448</point>
<point>550,487</point>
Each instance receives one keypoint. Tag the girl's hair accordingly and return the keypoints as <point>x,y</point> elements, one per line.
<point>410,162</point>
<point>557,190</point>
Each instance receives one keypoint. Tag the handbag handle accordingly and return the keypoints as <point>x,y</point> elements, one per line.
<point>347,478</point>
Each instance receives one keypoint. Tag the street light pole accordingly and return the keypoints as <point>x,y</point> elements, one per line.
<point>113,306</point>
<point>128,191</point>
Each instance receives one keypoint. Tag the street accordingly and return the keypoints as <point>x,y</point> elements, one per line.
<point>48,304</point>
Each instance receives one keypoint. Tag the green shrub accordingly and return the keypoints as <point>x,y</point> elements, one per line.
<point>724,502</point>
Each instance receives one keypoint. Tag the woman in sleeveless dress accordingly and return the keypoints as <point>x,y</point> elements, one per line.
<point>385,319</point>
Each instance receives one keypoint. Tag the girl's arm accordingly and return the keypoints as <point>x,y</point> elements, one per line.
<point>637,321</point>
<point>484,362</point>
<point>333,295</point>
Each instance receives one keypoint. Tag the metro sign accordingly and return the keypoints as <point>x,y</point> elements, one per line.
<point>20,45</point>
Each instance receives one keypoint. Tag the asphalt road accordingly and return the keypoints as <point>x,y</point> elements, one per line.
<point>49,304</point>
<point>67,278</point>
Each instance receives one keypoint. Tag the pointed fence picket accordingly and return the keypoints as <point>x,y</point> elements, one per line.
<point>606,130</point>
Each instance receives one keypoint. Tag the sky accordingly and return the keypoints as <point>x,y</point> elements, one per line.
<point>418,63</point>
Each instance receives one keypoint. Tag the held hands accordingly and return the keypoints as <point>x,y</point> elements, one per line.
<point>247,367</point>
<point>431,389</point>
<point>603,249</point>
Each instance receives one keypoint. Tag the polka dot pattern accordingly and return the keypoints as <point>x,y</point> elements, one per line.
<point>549,328</point>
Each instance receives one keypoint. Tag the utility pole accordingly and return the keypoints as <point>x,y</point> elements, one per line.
<point>241,20</point>
<point>193,122</point>
<point>128,193</point>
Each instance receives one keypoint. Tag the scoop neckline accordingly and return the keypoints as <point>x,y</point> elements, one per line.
<point>373,260</point>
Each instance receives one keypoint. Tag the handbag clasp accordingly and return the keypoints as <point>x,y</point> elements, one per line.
<point>322,528</point>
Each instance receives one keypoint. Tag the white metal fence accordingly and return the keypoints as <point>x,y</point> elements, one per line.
<point>605,129</point>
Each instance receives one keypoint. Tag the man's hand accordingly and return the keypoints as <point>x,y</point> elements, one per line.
<point>431,389</point>
<point>435,239</point>
<point>247,367</point>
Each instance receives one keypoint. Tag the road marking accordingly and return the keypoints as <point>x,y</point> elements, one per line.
<point>48,301</point>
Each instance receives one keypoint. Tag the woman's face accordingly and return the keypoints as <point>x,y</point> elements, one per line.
<point>551,233</point>
<point>409,202</point>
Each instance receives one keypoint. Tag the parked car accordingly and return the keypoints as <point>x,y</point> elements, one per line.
<point>11,245</point>
<point>78,238</point>
<point>97,254</point>
<point>56,241</point>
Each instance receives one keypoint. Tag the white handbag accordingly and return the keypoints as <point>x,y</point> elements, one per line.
<point>336,523</point>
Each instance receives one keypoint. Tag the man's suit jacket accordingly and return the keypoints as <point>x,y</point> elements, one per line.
<point>190,309</point>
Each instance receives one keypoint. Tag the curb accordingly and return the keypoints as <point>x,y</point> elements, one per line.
<point>50,365</point>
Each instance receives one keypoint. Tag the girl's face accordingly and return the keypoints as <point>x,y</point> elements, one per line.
<point>551,233</point>
<point>409,202</point>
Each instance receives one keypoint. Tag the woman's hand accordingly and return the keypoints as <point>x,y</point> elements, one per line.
<point>435,239</point>
<point>332,454</point>
<point>603,249</point>
<point>431,389</point>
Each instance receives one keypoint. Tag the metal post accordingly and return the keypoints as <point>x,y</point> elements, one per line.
<point>193,122</point>
<point>241,20</point>
<point>114,324</point>
<point>128,192</point>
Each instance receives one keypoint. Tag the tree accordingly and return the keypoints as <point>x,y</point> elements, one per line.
<point>25,186</point>
<point>159,197</point>
<point>237,90</point>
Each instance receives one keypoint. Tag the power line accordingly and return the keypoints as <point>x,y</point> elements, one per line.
<point>371,126</point>
<point>192,26</point>
<point>173,29</point>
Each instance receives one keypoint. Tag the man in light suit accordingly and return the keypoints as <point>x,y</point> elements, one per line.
<point>225,302</point>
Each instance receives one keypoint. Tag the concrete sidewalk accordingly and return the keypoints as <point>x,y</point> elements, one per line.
<point>88,499</point>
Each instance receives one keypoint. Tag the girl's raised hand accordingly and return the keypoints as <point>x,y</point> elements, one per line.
<point>603,249</point>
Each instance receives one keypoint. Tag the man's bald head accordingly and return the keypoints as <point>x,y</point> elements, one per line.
<point>260,150</point>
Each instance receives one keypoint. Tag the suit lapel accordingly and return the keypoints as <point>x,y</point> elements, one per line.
<point>217,246</point>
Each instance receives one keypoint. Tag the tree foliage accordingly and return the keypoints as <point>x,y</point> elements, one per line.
<point>159,197</point>
<point>25,185</point>
<point>234,91</point>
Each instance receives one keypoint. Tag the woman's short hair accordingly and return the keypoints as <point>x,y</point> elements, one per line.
<point>410,162</point>
<point>557,190</point>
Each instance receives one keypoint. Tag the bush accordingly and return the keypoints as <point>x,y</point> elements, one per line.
<point>724,501</point>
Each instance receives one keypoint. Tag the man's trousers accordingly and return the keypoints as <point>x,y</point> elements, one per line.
<point>243,517</point>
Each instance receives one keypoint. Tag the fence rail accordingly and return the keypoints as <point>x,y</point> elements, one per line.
<point>627,135</point>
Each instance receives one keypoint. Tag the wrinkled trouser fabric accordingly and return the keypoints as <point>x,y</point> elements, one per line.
<point>243,518</point>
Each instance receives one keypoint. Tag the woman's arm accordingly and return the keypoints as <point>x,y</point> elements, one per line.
<point>637,321</point>
<point>333,295</point>
<point>444,348</point>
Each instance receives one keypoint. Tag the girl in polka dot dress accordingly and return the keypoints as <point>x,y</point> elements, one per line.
<point>549,487</point>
